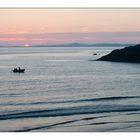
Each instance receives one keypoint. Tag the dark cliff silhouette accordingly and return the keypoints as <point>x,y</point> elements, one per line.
<point>127,54</point>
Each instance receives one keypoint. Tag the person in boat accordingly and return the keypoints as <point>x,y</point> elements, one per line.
<point>15,69</point>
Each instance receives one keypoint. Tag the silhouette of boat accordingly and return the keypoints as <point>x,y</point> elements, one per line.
<point>18,70</point>
<point>95,54</point>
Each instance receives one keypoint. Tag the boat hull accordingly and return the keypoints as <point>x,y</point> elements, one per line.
<point>19,71</point>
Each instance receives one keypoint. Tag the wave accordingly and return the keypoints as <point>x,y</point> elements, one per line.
<point>61,124</point>
<point>75,101</point>
<point>72,111</point>
<point>96,99</point>
<point>57,124</point>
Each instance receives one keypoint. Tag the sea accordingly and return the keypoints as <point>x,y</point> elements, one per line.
<point>62,90</point>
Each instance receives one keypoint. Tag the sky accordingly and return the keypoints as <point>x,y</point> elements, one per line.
<point>62,26</point>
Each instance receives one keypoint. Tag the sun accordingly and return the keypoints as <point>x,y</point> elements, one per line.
<point>26,45</point>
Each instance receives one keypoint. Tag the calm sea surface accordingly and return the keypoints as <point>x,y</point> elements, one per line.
<point>62,91</point>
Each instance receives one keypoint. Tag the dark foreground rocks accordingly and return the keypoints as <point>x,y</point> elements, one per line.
<point>127,54</point>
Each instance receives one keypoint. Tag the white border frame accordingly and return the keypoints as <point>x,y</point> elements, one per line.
<point>69,3</point>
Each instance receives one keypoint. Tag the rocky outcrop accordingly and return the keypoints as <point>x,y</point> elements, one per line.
<point>127,54</point>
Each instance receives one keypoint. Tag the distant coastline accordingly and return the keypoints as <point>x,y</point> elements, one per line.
<point>79,45</point>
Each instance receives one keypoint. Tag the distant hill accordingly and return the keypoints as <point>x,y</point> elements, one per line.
<point>127,54</point>
<point>86,45</point>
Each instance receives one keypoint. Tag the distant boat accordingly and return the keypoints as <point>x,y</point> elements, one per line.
<point>18,70</point>
<point>95,54</point>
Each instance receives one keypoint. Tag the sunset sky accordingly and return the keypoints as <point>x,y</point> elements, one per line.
<point>61,26</point>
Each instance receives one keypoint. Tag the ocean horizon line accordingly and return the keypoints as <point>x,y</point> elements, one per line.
<point>75,45</point>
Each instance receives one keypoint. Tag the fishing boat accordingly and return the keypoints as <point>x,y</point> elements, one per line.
<point>18,70</point>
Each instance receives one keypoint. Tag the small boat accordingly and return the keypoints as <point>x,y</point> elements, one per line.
<point>18,70</point>
<point>95,54</point>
